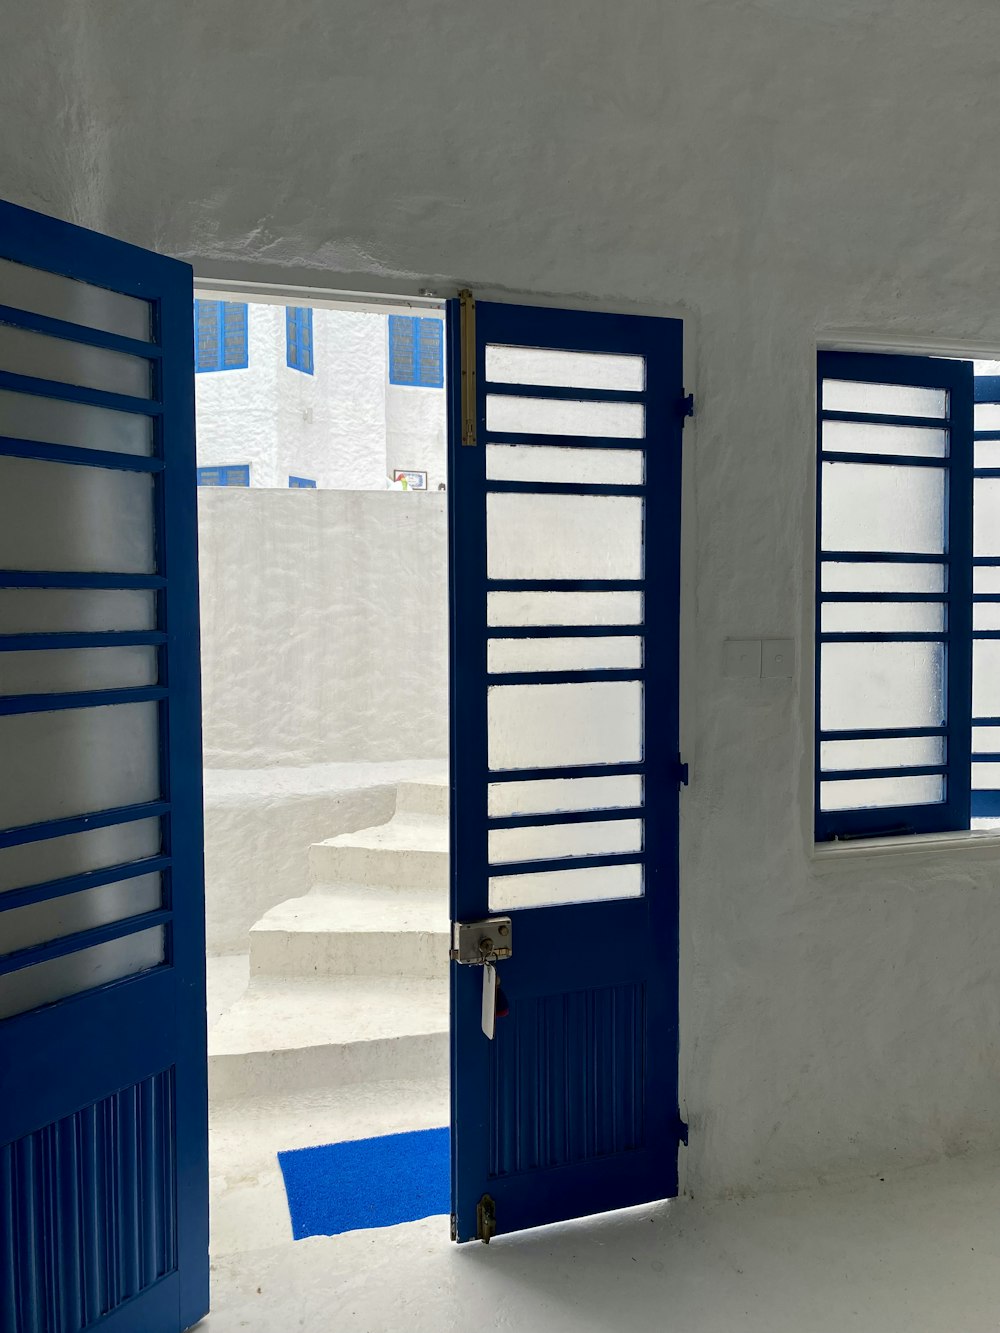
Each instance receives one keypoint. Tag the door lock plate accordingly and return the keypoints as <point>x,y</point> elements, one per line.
<point>481,941</point>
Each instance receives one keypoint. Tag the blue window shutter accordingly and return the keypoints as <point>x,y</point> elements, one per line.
<point>206,335</point>
<point>416,351</point>
<point>301,484</point>
<point>235,341</point>
<point>220,335</point>
<point>238,475</point>
<point>431,353</point>
<point>985,597</point>
<point>402,349</point>
<point>299,338</point>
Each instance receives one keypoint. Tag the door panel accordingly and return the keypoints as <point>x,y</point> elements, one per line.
<point>565,515</point>
<point>103,1103</point>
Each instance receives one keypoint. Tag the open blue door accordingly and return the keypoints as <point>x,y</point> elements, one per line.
<point>565,465</point>
<point>103,1105</point>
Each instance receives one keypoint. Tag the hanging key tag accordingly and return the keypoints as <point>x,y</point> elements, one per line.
<point>490,987</point>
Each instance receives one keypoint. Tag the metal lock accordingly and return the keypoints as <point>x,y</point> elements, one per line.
<point>481,941</point>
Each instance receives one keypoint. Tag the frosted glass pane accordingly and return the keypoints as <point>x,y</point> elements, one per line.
<point>563,416</point>
<point>986,615</point>
<point>986,777</point>
<point>987,453</point>
<point>987,416</point>
<point>564,608</point>
<point>542,726</point>
<point>542,462</point>
<point>59,297</point>
<point>61,977</point>
<point>986,578</point>
<point>986,740</point>
<point>882,617</point>
<point>902,752</point>
<point>986,516</point>
<point>554,795</point>
<point>41,922</point>
<point>583,885</point>
<point>868,685</point>
<point>564,370</point>
<point>559,840</point>
<point>77,760</point>
<point>868,792</point>
<point>560,654</point>
<point>986,678</point>
<point>864,437</point>
<point>901,400</point>
<point>563,537</point>
<point>75,853</point>
<point>65,669</point>
<point>881,576</point>
<point>883,508</point>
<point>25,353</point>
<point>61,516</point>
<point>56,610</point>
<point>25,416</point>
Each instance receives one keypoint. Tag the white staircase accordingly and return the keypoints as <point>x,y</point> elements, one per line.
<point>349,983</point>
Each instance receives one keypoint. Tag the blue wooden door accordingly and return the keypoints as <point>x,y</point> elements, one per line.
<point>103,1106</point>
<point>565,467</point>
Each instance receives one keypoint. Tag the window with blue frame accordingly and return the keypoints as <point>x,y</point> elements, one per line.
<point>224,476</point>
<point>299,338</point>
<point>416,351</point>
<point>220,336</point>
<point>301,484</point>
<point>907,596</point>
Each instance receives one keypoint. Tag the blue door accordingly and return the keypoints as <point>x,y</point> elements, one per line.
<point>565,466</point>
<point>103,1107</point>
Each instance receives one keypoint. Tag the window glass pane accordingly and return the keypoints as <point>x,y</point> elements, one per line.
<point>559,654</point>
<point>554,795</point>
<point>23,352</point>
<point>987,453</point>
<point>61,977</point>
<point>882,617</point>
<point>59,610</point>
<point>986,516</point>
<point>986,578</point>
<point>881,576</point>
<point>986,777</point>
<point>901,752</point>
<point>543,726</point>
<point>986,740</point>
<point>41,922</point>
<point>541,462</point>
<point>65,669</point>
<point>987,416</point>
<point>864,793</point>
<point>564,370</point>
<point>563,537</point>
<point>51,294</point>
<point>26,416</point>
<point>563,416</point>
<point>75,853</point>
<point>864,437</point>
<point>883,508</point>
<point>545,841</point>
<point>580,885</point>
<point>986,615</point>
<point>869,685</point>
<point>564,608</point>
<point>888,399</point>
<point>986,678</point>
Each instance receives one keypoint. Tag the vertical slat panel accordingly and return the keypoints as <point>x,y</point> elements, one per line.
<point>8,1248</point>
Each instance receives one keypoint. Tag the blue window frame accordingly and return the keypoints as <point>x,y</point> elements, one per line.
<point>986,600</point>
<point>894,595</point>
<point>301,484</point>
<point>416,351</point>
<point>224,476</point>
<point>299,338</point>
<point>220,336</point>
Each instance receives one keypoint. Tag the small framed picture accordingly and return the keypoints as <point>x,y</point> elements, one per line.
<point>412,481</point>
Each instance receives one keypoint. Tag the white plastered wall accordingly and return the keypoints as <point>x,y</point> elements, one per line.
<point>770,169</point>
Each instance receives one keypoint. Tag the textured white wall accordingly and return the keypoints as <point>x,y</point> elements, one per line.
<point>771,169</point>
<point>416,426</point>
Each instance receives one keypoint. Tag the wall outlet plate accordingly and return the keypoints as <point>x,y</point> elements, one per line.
<point>777,658</point>
<point>742,657</point>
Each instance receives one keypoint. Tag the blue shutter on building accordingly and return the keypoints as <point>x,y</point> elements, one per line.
<point>299,338</point>
<point>224,476</point>
<point>301,484</point>
<point>220,335</point>
<point>416,351</point>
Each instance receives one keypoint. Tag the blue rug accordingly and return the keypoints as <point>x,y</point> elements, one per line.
<point>367,1183</point>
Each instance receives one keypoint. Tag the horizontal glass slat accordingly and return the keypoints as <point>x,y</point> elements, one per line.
<point>56,671</point>
<point>59,297</point>
<point>578,885</point>
<point>863,437</point>
<point>51,920</point>
<point>25,416</point>
<point>564,537</point>
<point>77,854</point>
<point>986,516</point>
<point>559,795</point>
<point>986,677</point>
<point>564,416</point>
<point>566,370</point>
<point>986,777</point>
<point>868,507</point>
<point>882,617</point>
<point>75,610</point>
<point>559,654</point>
<point>874,685</point>
<point>585,467</point>
<point>881,576</point>
<point>59,978</point>
<point>987,453</point>
<point>898,752</point>
<point>548,726</point>
<point>563,608</point>
<point>550,841</point>
<point>866,793</point>
<point>23,352</point>
<point>987,416</point>
<point>901,400</point>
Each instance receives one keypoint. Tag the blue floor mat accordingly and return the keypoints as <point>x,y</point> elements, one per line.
<point>367,1182</point>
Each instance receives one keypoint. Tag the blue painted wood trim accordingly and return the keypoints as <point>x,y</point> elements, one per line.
<point>20,643</point>
<point>560,488</point>
<point>551,391</point>
<point>78,333</point>
<point>559,441</point>
<point>567,817</point>
<point>552,864</point>
<point>883,418</point>
<point>89,879</point>
<point>62,453</point>
<point>567,585</point>
<point>60,828</point>
<point>27,578</point>
<point>564,771</point>
<point>15,704</point>
<point>83,939</point>
<point>565,677</point>
<point>78,393</point>
<point>571,631</point>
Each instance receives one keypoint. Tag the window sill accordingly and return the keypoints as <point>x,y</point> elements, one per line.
<point>963,840</point>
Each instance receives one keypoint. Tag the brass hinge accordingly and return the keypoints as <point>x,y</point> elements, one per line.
<point>467,314</point>
<point>486,1219</point>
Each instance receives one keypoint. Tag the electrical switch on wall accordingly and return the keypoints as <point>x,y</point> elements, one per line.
<point>757,659</point>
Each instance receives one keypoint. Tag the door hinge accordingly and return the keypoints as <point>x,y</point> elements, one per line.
<point>467,320</point>
<point>686,407</point>
<point>486,1219</point>
<point>682,773</point>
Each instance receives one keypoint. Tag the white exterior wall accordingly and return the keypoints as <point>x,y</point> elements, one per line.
<point>773,171</point>
<point>416,432</point>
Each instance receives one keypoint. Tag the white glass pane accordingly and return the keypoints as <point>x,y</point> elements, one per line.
<point>902,752</point>
<point>986,615</point>
<point>564,608</point>
<point>986,678</point>
<point>563,537</point>
<point>987,453</point>
<point>554,795</point>
<point>881,576</point>
<point>563,416</point>
<point>883,508</point>
<point>76,760</point>
<point>869,685</point>
<point>987,416</point>
<point>581,885</point>
<point>986,578</point>
<point>53,671</point>
<point>75,853</point>
<point>902,400</point>
<point>864,437</point>
<point>60,610</point>
<point>59,297</point>
<point>986,516</point>
<point>559,840</point>
<point>541,726</point>
<point>25,416</point>
<point>25,353</point>
<point>564,370</point>
<point>864,793</point>
<point>61,977</point>
<point>542,462</point>
<point>882,617</point>
<point>41,922</point>
<point>66,517</point>
<point>560,654</point>
<point>986,740</point>
<point>986,777</point>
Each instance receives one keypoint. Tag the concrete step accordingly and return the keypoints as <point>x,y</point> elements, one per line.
<point>410,851</point>
<point>291,1036</point>
<point>354,930</point>
<point>424,797</point>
